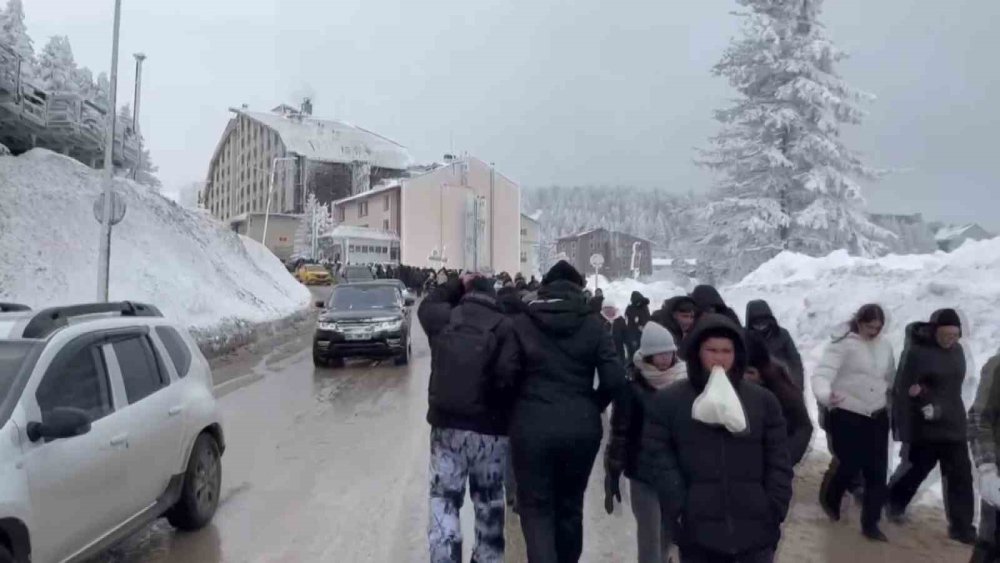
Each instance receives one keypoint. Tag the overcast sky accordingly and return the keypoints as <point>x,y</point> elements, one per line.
<point>553,91</point>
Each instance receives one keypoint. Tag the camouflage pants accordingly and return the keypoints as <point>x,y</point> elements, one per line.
<point>458,456</point>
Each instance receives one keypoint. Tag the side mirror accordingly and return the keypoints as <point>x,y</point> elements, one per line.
<point>61,422</point>
<point>409,301</point>
<point>320,305</point>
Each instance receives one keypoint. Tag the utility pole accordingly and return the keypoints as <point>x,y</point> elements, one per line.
<point>104,258</point>
<point>139,58</point>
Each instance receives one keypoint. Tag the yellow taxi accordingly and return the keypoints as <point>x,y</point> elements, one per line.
<point>313,274</point>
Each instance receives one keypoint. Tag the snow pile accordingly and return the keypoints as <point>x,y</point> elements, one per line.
<point>192,267</point>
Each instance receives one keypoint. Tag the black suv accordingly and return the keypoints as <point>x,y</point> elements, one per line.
<point>366,320</point>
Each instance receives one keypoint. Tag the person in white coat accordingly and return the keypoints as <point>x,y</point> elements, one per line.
<point>853,381</point>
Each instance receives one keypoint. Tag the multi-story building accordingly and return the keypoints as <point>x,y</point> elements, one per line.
<point>463,215</point>
<point>530,246</point>
<point>290,154</point>
<point>620,252</point>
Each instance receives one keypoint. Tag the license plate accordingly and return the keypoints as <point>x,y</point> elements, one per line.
<point>354,336</point>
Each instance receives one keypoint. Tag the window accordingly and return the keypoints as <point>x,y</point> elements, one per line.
<point>524,257</point>
<point>524,232</point>
<point>385,224</point>
<point>350,248</point>
<point>386,203</point>
<point>363,209</point>
<point>140,373</point>
<point>178,351</point>
<point>340,214</point>
<point>81,382</point>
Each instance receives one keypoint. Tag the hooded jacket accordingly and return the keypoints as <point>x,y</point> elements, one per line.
<point>480,308</point>
<point>776,379</point>
<point>665,316</point>
<point>940,374</point>
<point>560,344</point>
<point>731,491</point>
<point>637,313</point>
<point>859,370</point>
<point>984,415</point>
<point>707,300</point>
<point>779,341</point>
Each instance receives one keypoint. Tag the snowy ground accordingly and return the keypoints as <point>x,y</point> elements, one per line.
<point>192,267</point>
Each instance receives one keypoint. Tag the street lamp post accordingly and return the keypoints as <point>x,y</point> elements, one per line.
<point>104,258</point>
<point>270,190</point>
<point>139,58</point>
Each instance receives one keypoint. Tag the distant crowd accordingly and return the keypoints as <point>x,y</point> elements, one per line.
<point>709,419</point>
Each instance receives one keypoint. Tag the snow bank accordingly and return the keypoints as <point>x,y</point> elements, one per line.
<point>197,271</point>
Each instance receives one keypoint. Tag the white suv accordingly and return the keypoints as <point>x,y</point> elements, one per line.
<point>107,422</point>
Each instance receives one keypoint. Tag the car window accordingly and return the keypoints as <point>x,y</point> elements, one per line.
<point>140,372</point>
<point>178,351</point>
<point>80,382</point>
<point>354,298</point>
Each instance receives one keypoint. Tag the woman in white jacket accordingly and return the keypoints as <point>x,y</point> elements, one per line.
<point>853,381</point>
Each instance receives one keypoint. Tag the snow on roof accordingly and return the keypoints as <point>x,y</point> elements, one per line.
<point>953,232</point>
<point>374,191</point>
<point>580,234</point>
<point>351,231</point>
<point>529,217</point>
<point>327,140</point>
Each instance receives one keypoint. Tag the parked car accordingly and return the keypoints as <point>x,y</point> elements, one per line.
<point>313,274</point>
<point>367,320</point>
<point>356,274</point>
<point>108,421</point>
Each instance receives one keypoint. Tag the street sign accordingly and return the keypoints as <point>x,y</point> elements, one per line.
<point>596,261</point>
<point>117,208</point>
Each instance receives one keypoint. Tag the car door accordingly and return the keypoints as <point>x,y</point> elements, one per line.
<point>76,485</point>
<point>154,413</point>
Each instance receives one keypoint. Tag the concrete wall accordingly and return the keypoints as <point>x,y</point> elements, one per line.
<point>378,217</point>
<point>280,232</point>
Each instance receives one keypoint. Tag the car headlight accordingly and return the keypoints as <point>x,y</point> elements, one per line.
<point>390,326</point>
<point>326,326</point>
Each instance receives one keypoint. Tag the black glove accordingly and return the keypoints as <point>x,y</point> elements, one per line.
<point>612,491</point>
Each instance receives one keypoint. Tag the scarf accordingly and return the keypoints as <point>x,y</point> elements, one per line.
<point>659,379</point>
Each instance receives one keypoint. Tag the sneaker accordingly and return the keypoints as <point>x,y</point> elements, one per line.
<point>874,534</point>
<point>968,537</point>
<point>895,514</point>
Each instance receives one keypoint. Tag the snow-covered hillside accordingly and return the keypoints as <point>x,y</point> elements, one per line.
<point>194,268</point>
<point>814,297</point>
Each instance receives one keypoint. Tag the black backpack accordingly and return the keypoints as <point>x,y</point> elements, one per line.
<point>462,367</point>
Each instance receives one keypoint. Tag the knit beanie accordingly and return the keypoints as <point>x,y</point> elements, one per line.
<point>946,317</point>
<point>563,270</point>
<point>656,340</point>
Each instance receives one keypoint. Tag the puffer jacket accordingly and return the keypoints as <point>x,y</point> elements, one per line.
<point>940,374</point>
<point>779,342</point>
<point>861,371</point>
<point>984,416</point>
<point>561,343</point>
<point>622,453</point>
<point>731,491</point>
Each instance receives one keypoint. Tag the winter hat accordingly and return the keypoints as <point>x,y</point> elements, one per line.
<point>656,340</point>
<point>946,317</point>
<point>563,270</point>
<point>482,284</point>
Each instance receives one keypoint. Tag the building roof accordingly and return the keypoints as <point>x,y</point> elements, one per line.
<point>530,218</point>
<point>247,214</point>
<point>350,231</point>
<point>971,230</point>
<point>591,231</point>
<point>326,140</point>
<point>391,185</point>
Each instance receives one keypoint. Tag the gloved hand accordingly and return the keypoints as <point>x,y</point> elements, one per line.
<point>989,484</point>
<point>612,491</point>
<point>930,412</point>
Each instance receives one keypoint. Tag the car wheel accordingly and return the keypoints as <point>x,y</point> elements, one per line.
<point>202,484</point>
<point>404,358</point>
<point>319,361</point>
<point>5,555</point>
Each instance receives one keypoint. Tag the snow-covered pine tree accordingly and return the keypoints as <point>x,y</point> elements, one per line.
<point>147,171</point>
<point>789,182</point>
<point>84,80</point>
<point>316,219</point>
<point>103,89</point>
<point>14,34</point>
<point>57,70</point>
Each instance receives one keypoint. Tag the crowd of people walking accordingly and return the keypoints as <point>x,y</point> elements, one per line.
<point>708,419</point>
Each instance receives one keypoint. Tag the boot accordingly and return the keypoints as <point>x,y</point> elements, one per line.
<point>874,533</point>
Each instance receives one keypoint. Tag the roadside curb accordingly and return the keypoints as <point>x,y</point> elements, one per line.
<point>234,335</point>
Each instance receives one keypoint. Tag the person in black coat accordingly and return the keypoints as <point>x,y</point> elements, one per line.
<point>636,316</point>
<point>708,301</point>
<point>597,301</point>
<point>774,376</point>
<point>614,324</point>
<point>761,320</point>
<point>556,426</point>
<point>929,418</point>
<point>731,491</point>
<point>676,315</point>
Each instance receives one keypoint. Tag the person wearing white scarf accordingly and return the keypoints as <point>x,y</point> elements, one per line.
<point>655,366</point>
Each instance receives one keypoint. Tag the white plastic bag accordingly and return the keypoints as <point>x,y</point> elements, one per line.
<point>719,403</point>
